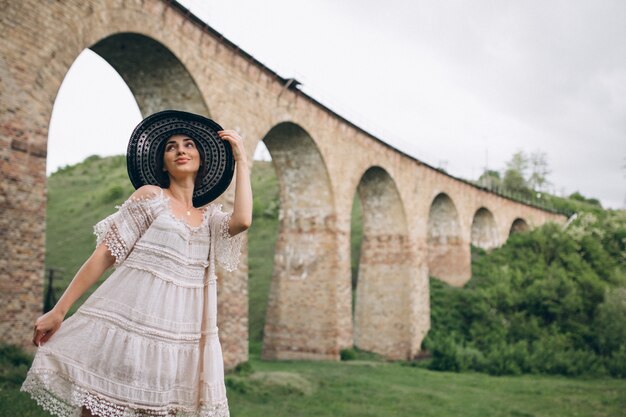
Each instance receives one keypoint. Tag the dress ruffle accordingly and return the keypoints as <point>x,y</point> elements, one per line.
<point>122,229</point>
<point>64,398</point>
<point>227,247</point>
<point>145,343</point>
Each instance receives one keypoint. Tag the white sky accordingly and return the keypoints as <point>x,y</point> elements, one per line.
<point>460,85</point>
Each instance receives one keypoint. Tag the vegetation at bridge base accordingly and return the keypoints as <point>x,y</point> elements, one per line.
<point>361,384</point>
<point>547,294</point>
<point>371,388</point>
<point>549,301</point>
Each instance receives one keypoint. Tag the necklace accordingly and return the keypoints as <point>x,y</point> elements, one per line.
<point>188,209</point>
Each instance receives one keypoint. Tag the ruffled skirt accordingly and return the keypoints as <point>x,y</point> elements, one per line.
<point>150,349</point>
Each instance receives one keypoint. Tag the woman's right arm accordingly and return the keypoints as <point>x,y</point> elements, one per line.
<point>99,261</point>
<point>115,237</point>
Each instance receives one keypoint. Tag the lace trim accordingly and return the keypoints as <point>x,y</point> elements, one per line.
<point>64,398</point>
<point>202,224</point>
<point>228,248</point>
<point>167,269</point>
<point>115,322</point>
<point>120,230</point>
<point>161,245</point>
<point>132,314</point>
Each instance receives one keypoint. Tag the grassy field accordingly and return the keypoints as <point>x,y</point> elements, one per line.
<point>81,195</point>
<point>369,387</point>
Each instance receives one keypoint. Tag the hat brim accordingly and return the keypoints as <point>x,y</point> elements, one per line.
<point>145,149</point>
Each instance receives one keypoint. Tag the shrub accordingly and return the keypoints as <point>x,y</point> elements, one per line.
<point>243,368</point>
<point>112,194</point>
<point>609,324</point>
<point>616,363</point>
<point>444,355</point>
<point>347,354</point>
<point>548,301</point>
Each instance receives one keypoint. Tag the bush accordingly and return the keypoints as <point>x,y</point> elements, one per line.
<point>616,363</point>
<point>444,355</point>
<point>548,301</point>
<point>609,324</point>
<point>347,354</point>
<point>243,368</point>
<point>112,194</point>
<point>506,359</point>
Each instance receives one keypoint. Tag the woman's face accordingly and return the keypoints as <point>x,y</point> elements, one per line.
<point>181,156</point>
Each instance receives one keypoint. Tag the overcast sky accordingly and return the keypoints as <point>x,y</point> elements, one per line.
<point>460,85</point>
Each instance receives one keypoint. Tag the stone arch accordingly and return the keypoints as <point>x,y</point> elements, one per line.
<point>28,149</point>
<point>448,253</point>
<point>155,76</point>
<point>381,314</point>
<point>301,322</point>
<point>484,229</point>
<point>519,225</point>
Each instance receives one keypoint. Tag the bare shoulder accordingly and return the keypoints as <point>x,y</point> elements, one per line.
<point>145,191</point>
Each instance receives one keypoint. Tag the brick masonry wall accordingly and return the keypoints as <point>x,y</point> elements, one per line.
<point>321,160</point>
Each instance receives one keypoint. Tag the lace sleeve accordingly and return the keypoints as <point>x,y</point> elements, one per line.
<point>122,229</point>
<point>227,247</point>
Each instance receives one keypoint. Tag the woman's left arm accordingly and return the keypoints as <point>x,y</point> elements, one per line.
<point>241,218</point>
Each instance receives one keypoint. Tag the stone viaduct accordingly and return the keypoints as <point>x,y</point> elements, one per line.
<point>417,220</point>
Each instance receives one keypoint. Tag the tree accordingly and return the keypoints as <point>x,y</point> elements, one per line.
<point>522,175</point>
<point>538,171</point>
<point>579,197</point>
<point>519,163</point>
<point>515,182</point>
<point>490,179</point>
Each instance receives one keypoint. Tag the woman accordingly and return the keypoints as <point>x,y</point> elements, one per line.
<point>145,343</point>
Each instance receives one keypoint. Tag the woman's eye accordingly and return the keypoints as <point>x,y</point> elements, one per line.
<point>190,144</point>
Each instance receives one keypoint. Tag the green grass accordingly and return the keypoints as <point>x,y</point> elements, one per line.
<point>81,195</point>
<point>78,197</point>
<point>372,387</point>
<point>261,241</point>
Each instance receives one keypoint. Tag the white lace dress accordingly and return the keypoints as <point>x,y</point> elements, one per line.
<point>145,343</point>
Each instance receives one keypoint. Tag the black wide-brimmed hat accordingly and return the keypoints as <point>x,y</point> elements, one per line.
<point>144,155</point>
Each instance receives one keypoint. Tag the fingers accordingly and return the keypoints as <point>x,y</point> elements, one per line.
<point>47,336</point>
<point>232,131</point>
<point>236,142</point>
<point>229,135</point>
<point>37,337</point>
<point>42,337</point>
<point>42,334</point>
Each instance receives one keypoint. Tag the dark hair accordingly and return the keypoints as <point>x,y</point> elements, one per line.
<point>163,177</point>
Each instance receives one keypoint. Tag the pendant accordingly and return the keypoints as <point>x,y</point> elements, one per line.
<point>188,213</point>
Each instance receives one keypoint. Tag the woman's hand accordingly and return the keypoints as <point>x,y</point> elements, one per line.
<point>46,326</point>
<point>241,218</point>
<point>236,142</point>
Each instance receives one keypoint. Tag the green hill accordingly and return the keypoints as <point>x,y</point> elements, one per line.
<point>545,286</point>
<point>82,194</point>
<point>78,197</point>
<point>542,303</point>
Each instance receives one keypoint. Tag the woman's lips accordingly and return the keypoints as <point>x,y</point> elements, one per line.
<point>181,160</point>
